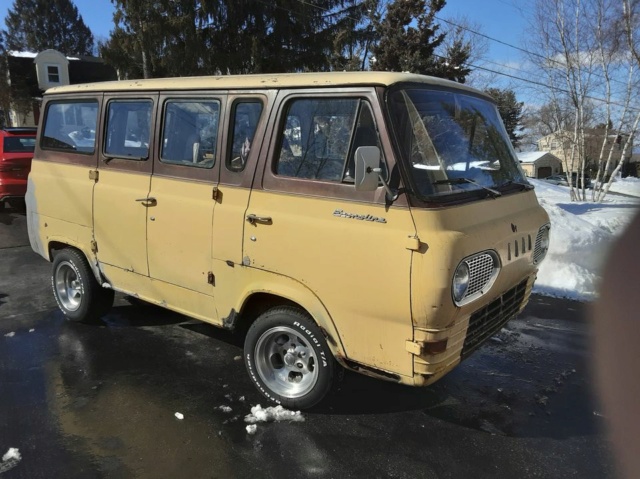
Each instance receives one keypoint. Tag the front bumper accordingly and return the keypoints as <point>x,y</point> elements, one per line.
<point>467,334</point>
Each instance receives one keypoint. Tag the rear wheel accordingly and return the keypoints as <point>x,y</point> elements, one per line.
<point>76,290</point>
<point>288,359</point>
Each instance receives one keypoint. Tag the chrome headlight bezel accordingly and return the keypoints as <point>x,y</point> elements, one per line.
<point>481,270</point>
<point>543,241</point>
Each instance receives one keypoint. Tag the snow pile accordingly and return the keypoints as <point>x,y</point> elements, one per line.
<point>10,460</point>
<point>626,186</point>
<point>278,413</point>
<point>581,233</point>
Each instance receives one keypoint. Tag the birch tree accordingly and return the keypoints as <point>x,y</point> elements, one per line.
<point>581,52</point>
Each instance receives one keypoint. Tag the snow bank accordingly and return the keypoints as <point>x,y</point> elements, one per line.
<point>581,233</point>
<point>278,413</point>
<point>626,186</point>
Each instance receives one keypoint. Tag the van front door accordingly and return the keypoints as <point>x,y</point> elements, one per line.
<point>121,194</point>
<point>306,221</point>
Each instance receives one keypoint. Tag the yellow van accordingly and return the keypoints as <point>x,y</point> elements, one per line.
<point>378,222</point>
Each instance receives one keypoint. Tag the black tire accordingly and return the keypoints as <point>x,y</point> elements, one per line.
<point>288,359</point>
<point>78,294</point>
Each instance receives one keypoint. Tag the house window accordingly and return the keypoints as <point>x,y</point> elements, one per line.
<point>53,74</point>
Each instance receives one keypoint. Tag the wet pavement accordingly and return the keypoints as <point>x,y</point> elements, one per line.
<point>93,401</point>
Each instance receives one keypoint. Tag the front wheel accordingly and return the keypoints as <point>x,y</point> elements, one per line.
<point>78,294</point>
<point>288,359</point>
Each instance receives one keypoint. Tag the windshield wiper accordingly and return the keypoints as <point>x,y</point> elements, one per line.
<point>523,186</point>
<point>459,181</point>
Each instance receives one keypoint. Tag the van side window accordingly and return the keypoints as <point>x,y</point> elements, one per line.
<point>190,132</point>
<point>71,125</point>
<point>320,135</point>
<point>128,127</point>
<point>244,121</point>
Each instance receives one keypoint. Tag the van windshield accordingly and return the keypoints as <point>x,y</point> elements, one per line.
<point>453,142</point>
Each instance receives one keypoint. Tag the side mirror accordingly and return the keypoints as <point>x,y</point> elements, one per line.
<point>367,166</point>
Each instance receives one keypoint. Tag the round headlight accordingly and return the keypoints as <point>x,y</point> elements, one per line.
<point>460,281</point>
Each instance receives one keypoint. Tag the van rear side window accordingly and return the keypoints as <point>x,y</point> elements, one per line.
<point>246,115</point>
<point>71,125</point>
<point>128,127</point>
<point>190,132</point>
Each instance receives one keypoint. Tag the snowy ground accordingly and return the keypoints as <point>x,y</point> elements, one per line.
<point>581,234</point>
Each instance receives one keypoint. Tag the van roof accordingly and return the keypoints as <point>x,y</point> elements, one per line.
<point>262,81</point>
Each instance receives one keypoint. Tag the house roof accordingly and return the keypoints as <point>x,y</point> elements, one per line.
<point>83,69</point>
<point>531,156</point>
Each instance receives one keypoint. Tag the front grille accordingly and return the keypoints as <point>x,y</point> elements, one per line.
<point>481,268</point>
<point>490,319</point>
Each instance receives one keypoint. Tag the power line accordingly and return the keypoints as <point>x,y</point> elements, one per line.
<point>558,89</point>
<point>478,67</point>
<point>523,50</point>
<point>463,27</point>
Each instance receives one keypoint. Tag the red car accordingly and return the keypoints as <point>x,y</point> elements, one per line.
<point>16,153</point>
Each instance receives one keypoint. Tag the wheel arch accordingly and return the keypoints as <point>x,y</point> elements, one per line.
<point>55,245</point>
<point>256,300</point>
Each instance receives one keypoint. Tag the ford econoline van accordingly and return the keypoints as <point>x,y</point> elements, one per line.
<point>378,222</point>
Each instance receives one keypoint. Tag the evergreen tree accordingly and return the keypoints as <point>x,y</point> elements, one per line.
<point>510,111</point>
<point>36,25</point>
<point>167,38</point>
<point>410,40</point>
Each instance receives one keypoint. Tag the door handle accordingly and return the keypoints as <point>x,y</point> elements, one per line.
<point>151,201</point>
<point>254,219</point>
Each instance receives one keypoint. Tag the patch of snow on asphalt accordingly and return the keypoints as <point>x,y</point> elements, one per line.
<point>10,335</point>
<point>581,234</point>
<point>12,453</point>
<point>10,459</point>
<point>252,428</point>
<point>269,414</point>
<point>179,415</point>
<point>226,409</point>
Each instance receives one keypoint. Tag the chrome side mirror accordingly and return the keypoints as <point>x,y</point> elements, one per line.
<point>367,166</point>
<point>369,173</point>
